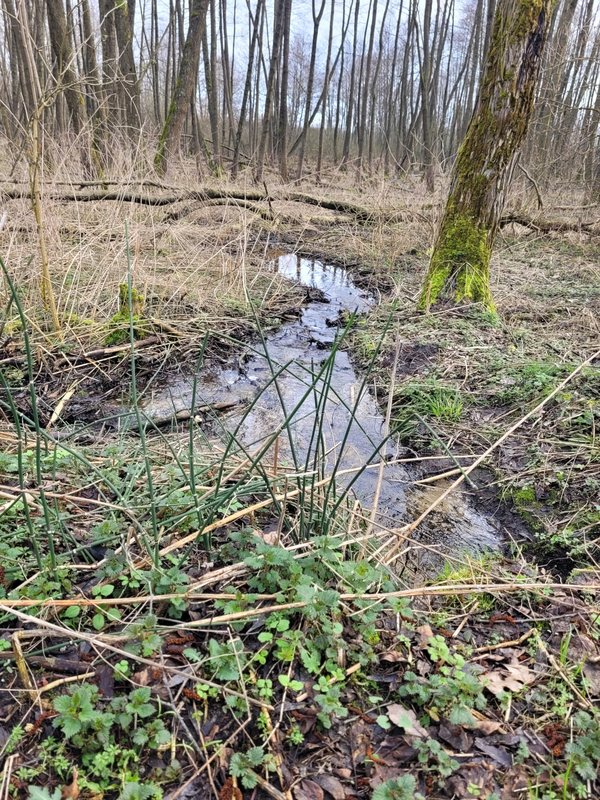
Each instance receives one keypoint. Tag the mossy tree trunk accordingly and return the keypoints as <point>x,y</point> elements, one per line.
<point>171,133</point>
<point>460,262</point>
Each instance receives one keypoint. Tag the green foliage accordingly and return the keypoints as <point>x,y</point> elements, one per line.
<point>402,788</point>
<point>430,749</point>
<point>452,690</point>
<point>41,793</point>
<point>428,399</point>
<point>295,735</point>
<point>110,735</point>
<point>528,382</point>
<point>242,766</point>
<point>584,750</point>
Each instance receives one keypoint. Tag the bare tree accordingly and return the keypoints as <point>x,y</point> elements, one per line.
<point>171,133</point>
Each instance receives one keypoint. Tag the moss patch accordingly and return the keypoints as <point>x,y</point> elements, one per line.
<point>118,325</point>
<point>460,265</point>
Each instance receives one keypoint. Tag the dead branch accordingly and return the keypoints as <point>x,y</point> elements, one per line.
<point>549,226</point>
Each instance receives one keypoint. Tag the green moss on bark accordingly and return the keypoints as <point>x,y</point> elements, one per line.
<point>459,268</point>
<point>118,325</point>
<point>460,265</point>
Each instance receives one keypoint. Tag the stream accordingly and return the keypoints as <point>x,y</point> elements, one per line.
<point>305,343</point>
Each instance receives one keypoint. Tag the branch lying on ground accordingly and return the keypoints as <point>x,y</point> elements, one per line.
<point>549,226</point>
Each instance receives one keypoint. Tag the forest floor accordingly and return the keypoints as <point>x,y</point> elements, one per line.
<point>184,614</point>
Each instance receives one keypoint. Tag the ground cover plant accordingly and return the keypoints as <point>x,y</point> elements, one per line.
<point>188,612</point>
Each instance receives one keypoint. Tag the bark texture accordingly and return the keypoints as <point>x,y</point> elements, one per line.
<point>459,267</point>
<point>180,103</point>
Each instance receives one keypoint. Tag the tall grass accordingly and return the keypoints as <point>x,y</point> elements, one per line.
<point>159,484</point>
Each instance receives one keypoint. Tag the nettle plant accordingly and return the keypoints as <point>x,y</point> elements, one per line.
<point>111,736</point>
<point>583,752</point>
<point>450,692</point>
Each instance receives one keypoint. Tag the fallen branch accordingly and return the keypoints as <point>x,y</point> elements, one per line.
<point>101,352</point>
<point>93,640</point>
<point>129,422</point>
<point>137,197</point>
<point>549,226</point>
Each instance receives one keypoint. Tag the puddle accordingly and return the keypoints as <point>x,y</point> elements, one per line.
<point>305,344</point>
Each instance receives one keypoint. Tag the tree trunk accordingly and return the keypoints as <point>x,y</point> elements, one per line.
<point>266,121</point>
<point>180,102</point>
<point>247,89</point>
<point>459,267</point>
<point>283,104</point>
<point>61,46</point>
<point>317,15</point>
<point>128,78</point>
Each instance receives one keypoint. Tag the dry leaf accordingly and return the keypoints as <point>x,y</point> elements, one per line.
<point>511,676</point>
<point>425,633</point>
<point>488,726</point>
<point>308,790</point>
<point>71,792</point>
<point>393,657</point>
<point>407,719</point>
<point>331,785</point>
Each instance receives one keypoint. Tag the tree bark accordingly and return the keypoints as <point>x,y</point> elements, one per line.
<point>459,267</point>
<point>57,26</point>
<point>180,102</point>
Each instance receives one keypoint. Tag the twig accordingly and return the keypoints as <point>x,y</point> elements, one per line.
<point>564,675</point>
<point>268,787</point>
<point>513,643</point>
<point>86,637</point>
<point>22,667</point>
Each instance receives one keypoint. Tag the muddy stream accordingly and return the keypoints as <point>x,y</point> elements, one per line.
<point>305,343</point>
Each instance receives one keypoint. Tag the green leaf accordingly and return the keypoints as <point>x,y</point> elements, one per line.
<point>41,793</point>
<point>72,611</point>
<point>113,614</point>
<point>107,590</point>
<point>256,756</point>
<point>460,715</point>
<point>311,659</point>
<point>62,704</point>
<point>98,621</point>
<point>383,722</point>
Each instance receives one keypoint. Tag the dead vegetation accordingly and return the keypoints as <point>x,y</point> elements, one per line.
<point>269,661</point>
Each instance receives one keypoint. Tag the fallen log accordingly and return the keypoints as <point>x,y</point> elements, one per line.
<point>549,226</point>
<point>130,421</point>
<point>137,197</point>
<point>102,352</point>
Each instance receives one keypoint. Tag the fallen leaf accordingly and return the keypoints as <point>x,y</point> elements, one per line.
<point>71,792</point>
<point>384,773</point>
<point>106,680</point>
<point>516,780</point>
<point>512,676</point>
<point>308,790</point>
<point>499,756</point>
<point>331,785</point>
<point>456,737</point>
<point>425,633</point>
<point>407,719</point>
<point>474,780</point>
<point>393,657</point>
<point>592,675</point>
<point>488,726</point>
<point>342,772</point>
